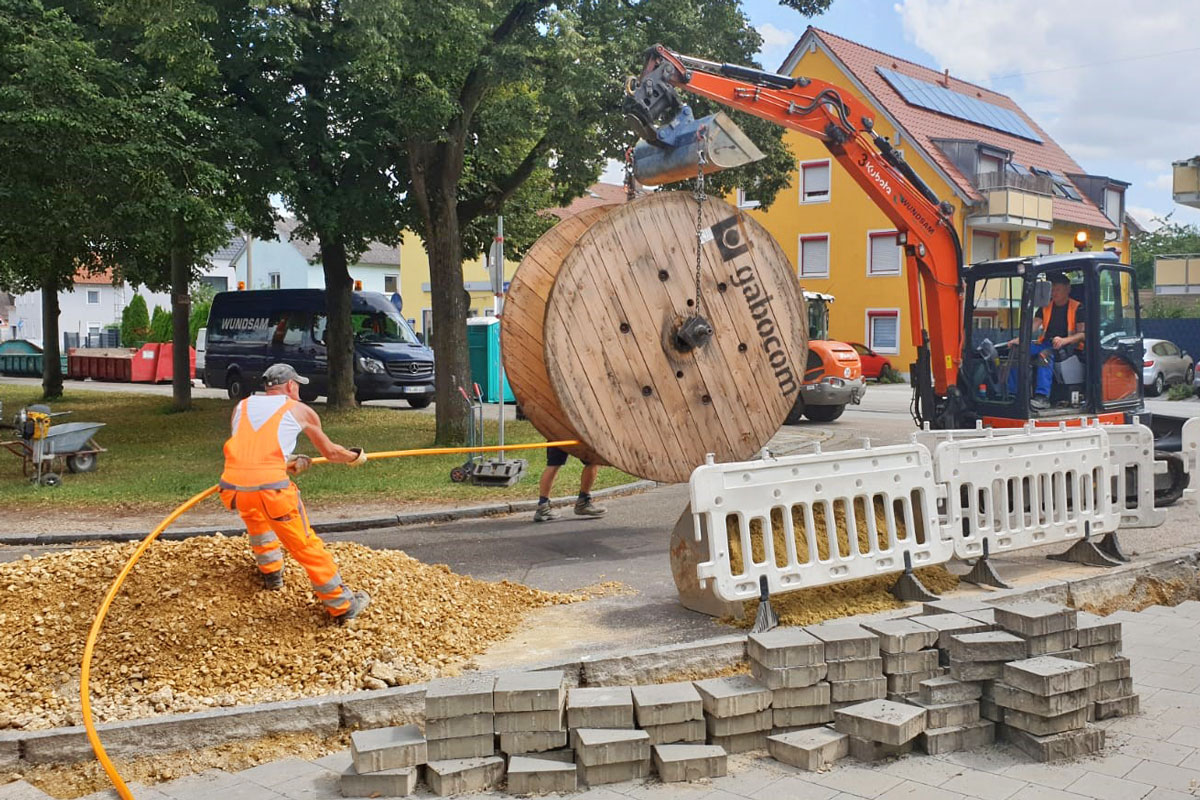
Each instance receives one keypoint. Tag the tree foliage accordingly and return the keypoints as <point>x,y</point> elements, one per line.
<point>160,325</point>
<point>135,323</point>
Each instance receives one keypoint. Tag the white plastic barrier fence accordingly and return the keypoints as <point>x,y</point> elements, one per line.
<point>1039,486</point>
<point>1131,450</point>
<point>816,520</point>
<point>1190,451</point>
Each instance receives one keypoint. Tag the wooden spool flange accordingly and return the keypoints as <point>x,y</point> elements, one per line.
<point>611,323</point>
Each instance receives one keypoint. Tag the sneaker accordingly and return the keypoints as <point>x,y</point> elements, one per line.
<point>1040,402</point>
<point>544,513</point>
<point>358,602</point>
<point>585,508</point>
<point>272,581</point>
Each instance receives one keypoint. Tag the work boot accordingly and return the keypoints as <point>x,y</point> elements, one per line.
<point>1040,402</point>
<point>544,513</point>
<point>272,581</point>
<point>585,508</point>
<point>358,602</point>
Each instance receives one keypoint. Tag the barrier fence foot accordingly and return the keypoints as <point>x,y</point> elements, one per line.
<point>1110,545</point>
<point>1086,552</point>
<point>983,573</point>
<point>908,587</point>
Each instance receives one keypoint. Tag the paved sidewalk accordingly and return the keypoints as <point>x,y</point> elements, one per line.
<point>1152,756</point>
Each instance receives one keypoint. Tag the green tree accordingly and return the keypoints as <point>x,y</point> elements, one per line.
<point>161,325</point>
<point>135,323</point>
<point>1168,238</point>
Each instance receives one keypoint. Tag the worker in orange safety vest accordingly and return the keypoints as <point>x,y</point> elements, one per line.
<point>257,484</point>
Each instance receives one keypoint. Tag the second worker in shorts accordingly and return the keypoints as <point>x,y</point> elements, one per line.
<point>584,507</point>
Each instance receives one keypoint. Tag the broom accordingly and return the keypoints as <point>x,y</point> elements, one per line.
<point>765,619</point>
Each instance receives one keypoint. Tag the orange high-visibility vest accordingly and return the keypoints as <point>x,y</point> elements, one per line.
<point>253,458</point>
<point>1072,306</point>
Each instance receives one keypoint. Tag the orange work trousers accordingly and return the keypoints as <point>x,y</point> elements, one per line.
<point>276,517</point>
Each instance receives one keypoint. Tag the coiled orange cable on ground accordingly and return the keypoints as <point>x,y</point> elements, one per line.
<point>94,634</point>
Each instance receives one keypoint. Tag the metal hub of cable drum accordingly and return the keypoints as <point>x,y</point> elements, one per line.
<point>654,365</point>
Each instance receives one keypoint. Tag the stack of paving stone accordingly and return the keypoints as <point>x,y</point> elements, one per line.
<point>854,667</point>
<point>812,749</point>
<point>1048,630</point>
<point>1046,703</point>
<point>385,762</point>
<point>980,657</point>
<point>459,721</point>
<point>791,663</point>
<point>910,655</point>
<point>880,729</point>
<point>611,755</point>
<point>952,716</point>
<point>529,716</point>
<point>1099,643</point>
<point>670,713</point>
<point>950,624</point>
<point>737,712</point>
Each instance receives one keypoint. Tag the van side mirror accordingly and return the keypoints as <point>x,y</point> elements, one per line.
<point>1041,293</point>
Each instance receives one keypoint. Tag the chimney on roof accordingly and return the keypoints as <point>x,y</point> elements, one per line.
<point>946,79</point>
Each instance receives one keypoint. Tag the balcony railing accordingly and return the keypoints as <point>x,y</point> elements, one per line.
<point>1037,184</point>
<point>1187,182</point>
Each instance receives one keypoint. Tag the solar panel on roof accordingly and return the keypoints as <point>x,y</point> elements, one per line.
<point>953,104</point>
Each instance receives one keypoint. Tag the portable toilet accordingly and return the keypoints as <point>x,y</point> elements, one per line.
<point>483,345</point>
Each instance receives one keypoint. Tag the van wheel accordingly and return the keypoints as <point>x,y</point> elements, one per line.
<point>419,402</point>
<point>796,415</point>
<point>824,413</point>
<point>308,394</point>
<point>235,386</point>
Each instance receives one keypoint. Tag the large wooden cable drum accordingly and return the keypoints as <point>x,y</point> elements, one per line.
<point>641,399</point>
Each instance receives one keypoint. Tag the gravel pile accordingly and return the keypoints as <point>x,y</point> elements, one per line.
<point>192,629</point>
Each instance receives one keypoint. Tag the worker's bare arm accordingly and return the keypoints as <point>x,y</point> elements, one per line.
<point>310,423</point>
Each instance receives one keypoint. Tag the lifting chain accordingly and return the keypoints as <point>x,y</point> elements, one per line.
<point>630,181</point>
<point>701,198</point>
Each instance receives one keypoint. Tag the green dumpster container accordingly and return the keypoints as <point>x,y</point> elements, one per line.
<point>20,357</point>
<point>483,344</point>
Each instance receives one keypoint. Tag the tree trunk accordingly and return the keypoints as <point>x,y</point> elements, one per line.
<point>52,377</point>
<point>339,338</point>
<point>181,313</point>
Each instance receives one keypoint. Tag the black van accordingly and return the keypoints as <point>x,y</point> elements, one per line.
<point>249,331</point>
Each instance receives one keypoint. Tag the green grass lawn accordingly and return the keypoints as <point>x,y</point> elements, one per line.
<point>157,458</point>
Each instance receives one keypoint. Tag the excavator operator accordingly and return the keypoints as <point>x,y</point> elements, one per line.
<point>1058,326</point>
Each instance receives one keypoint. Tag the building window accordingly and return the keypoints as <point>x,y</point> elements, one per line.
<point>984,246</point>
<point>745,202</point>
<point>273,281</point>
<point>814,181</point>
<point>1112,206</point>
<point>93,329</point>
<point>814,256</point>
<point>219,283</point>
<point>93,297</point>
<point>1045,246</point>
<point>391,284</point>
<point>988,164</point>
<point>883,330</point>
<point>883,253</point>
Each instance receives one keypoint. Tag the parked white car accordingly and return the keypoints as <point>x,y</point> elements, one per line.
<point>1165,365</point>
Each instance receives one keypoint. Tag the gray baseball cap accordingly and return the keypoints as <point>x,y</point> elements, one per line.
<point>279,374</point>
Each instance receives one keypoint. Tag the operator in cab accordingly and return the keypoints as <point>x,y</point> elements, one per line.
<point>1058,326</point>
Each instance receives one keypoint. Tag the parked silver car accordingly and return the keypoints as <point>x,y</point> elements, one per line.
<point>1165,365</point>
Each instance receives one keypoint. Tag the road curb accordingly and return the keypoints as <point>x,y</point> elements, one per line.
<point>333,526</point>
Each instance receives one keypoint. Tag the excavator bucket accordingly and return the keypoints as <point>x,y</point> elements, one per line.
<point>684,141</point>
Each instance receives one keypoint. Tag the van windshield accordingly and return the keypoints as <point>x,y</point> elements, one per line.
<point>382,327</point>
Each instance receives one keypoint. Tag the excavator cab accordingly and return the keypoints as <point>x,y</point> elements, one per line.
<point>1012,371</point>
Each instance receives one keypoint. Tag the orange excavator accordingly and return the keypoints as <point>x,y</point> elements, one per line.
<point>977,327</point>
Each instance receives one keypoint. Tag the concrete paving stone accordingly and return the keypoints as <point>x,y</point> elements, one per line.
<point>600,707</point>
<point>518,721</point>
<point>1046,676</point>
<point>910,790</point>
<point>952,605</point>
<point>910,682</point>
<point>1165,775</point>
<point>937,741</point>
<point>811,749</point>
<point>949,624</point>
<point>853,691</point>
<point>1096,630</point>
<point>1111,690</point>
<point>1154,750</point>
<point>971,671</point>
<point>462,775</point>
<point>1046,726</point>
<point>562,754</point>
<point>986,646</point>
<point>529,691</point>
<point>881,721</point>
<point>1112,670</point>
<point>1100,652</point>
<point>20,790</point>
<point>854,669</point>
<point>733,696</point>
<point>988,759</point>
<point>612,773</point>
<point>1179,683</point>
<point>1054,776</point>
<point>751,774</point>
<point>845,640</point>
<point>920,769</point>
<point>1056,747</point>
<point>388,748</point>
<point>1159,665</point>
<point>1185,735</point>
<point>245,791</point>
<point>902,636</point>
<point>1159,793</point>
<point>385,783</point>
<point>1051,643</point>
<point>817,695</point>
<point>540,776</point>
<point>532,741</point>
<point>595,747</point>
<point>742,742</point>
<point>462,747</point>
<point>1106,787</point>
<point>788,677</point>
<point>1035,619</point>
<point>689,762</point>
<point>1045,705</point>
<point>785,647</point>
<point>983,785</point>
<point>459,697</point>
<point>666,703</point>
<point>743,723</point>
<point>989,710</point>
<point>689,732</point>
<point>947,715</point>
<point>795,786</point>
<point>274,773</point>
<point>213,781</point>
<point>319,787</point>
<point>859,781</point>
<point>802,716</point>
<point>1110,763</point>
<point>945,689</point>
<point>457,727</point>
<point>334,762</point>
<point>867,751</point>
<point>919,661</point>
<point>902,697</point>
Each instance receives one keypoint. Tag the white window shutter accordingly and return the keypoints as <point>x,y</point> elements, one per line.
<point>815,256</point>
<point>885,255</point>
<point>816,180</point>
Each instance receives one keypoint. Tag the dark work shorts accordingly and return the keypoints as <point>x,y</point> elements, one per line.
<point>556,457</point>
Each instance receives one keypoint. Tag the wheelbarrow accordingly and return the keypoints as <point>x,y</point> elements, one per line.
<point>46,450</point>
